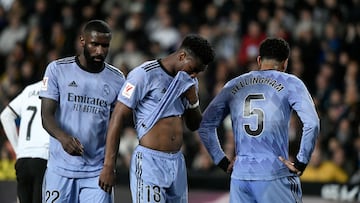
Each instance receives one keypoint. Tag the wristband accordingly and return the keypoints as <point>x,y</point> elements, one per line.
<point>224,164</point>
<point>299,165</point>
<point>193,106</point>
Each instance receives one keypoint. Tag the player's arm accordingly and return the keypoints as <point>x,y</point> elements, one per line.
<point>107,176</point>
<point>303,104</point>
<point>70,144</point>
<point>213,116</point>
<point>8,117</point>
<point>192,114</point>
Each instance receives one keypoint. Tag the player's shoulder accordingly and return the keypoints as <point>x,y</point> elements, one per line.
<point>236,79</point>
<point>291,77</point>
<point>114,70</point>
<point>149,66</point>
<point>61,63</point>
<point>65,60</point>
<point>31,90</point>
<point>277,75</point>
<point>33,86</point>
<point>145,69</point>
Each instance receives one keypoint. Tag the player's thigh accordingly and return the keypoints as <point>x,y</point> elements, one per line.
<point>178,192</point>
<point>282,190</point>
<point>240,192</point>
<point>23,174</point>
<point>58,189</point>
<point>40,167</point>
<point>148,191</point>
<point>145,189</point>
<point>90,191</point>
<point>157,176</point>
<point>147,181</point>
<point>38,171</point>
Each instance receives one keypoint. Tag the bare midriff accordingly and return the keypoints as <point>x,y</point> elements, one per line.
<point>166,135</point>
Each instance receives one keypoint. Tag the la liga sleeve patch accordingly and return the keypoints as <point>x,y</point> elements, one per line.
<point>44,84</point>
<point>128,90</point>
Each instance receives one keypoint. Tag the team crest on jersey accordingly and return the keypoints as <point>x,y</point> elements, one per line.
<point>128,90</point>
<point>44,84</point>
<point>106,90</point>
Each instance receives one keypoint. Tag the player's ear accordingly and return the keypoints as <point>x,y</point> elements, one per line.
<point>286,64</point>
<point>82,40</point>
<point>182,55</point>
<point>258,60</point>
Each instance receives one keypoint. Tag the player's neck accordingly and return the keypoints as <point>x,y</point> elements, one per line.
<point>270,65</point>
<point>166,64</point>
<point>83,64</point>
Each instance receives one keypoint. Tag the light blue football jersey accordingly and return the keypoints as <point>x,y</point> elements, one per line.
<point>260,104</point>
<point>85,101</point>
<point>153,94</point>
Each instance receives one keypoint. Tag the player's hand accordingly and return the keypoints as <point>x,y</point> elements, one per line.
<point>107,178</point>
<point>72,145</point>
<point>226,165</point>
<point>291,166</point>
<point>191,95</point>
<point>230,167</point>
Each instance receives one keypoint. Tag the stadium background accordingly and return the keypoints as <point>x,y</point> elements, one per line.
<point>324,36</point>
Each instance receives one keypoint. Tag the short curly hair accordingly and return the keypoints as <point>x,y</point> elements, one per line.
<point>199,47</point>
<point>274,48</point>
<point>98,26</point>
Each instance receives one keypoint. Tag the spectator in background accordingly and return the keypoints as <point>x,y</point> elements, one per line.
<point>249,44</point>
<point>202,161</point>
<point>340,155</point>
<point>304,37</point>
<point>7,162</point>
<point>161,29</point>
<point>185,14</point>
<point>355,177</point>
<point>3,18</point>
<point>322,170</point>
<point>31,142</point>
<point>10,83</point>
<point>15,32</point>
<point>130,56</point>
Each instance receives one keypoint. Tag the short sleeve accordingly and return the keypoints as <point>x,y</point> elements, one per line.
<point>134,88</point>
<point>49,88</point>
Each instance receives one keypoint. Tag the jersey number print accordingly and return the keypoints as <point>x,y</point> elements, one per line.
<point>34,110</point>
<point>248,112</point>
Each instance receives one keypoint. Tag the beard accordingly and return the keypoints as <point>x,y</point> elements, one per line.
<point>96,62</point>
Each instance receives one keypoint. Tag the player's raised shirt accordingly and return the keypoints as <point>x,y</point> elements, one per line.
<point>33,140</point>
<point>145,86</point>
<point>85,101</point>
<point>260,104</point>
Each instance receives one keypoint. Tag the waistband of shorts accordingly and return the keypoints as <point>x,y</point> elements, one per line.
<point>168,155</point>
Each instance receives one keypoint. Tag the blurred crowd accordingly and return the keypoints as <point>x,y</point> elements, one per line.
<point>325,53</point>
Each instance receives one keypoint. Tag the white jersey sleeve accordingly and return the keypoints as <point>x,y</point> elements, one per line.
<point>8,118</point>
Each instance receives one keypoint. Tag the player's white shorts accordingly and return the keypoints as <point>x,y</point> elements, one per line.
<point>158,177</point>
